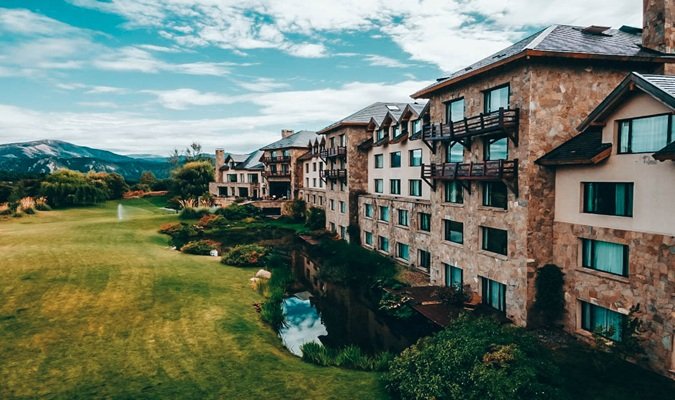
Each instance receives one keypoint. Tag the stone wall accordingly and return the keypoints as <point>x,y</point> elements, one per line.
<point>650,283</point>
<point>318,194</point>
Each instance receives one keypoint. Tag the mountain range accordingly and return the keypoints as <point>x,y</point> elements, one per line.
<point>44,156</point>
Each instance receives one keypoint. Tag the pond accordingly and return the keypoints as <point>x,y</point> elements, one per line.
<point>337,316</point>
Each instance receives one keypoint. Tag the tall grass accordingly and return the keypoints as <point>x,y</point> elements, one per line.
<point>350,357</point>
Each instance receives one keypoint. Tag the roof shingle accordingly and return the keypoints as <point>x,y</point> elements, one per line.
<point>583,149</point>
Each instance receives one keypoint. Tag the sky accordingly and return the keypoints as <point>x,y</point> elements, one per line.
<point>148,76</point>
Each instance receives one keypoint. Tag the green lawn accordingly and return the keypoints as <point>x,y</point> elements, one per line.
<point>93,307</point>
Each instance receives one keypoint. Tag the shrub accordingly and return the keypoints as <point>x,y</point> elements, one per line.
<point>193,213</point>
<point>199,247</point>
<point>65,188</point>
<point>316,219</point>
<point>170,228</point>
<point>350,357</point>
<point>549,303</point>
<point>396,305</point>
<point>271,311</point>
<point>475,359</point>
<point>28,211</point>
<point>183,234</point>
<point>246,255</point>
<point>237,212</point>
<point>315,353</point>
<point>41,204</point>
<point>296,209</point>
<point>191,180</point>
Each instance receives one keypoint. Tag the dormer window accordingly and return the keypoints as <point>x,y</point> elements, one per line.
<point>379,134</point>
<point>396,130</point>
<point>646,134</point>
<point>416,126</point>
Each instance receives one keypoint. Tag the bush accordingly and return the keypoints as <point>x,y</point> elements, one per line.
<point>350,357</point>
<point>316,219</point>
<point>549,303</point>
<point>237,212</point>
<point>246,255</point>
<point>28,211</point>
<point>296,209</point>
<point>315,353</point>
<point>475,359</point>
<point>65,188</point>
<point>42,207</point>
<point>191,180</point>
<point>396,305</point>
<point>193,213</point>
<point>170,228</point>
<point>271,311</point>
<point>199,247</point>
<point>182,234</point>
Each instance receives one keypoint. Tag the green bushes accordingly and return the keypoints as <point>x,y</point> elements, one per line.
<point>182,234</point>
<point>475,359</point>
<point>270,310</point>
<point>191,180</point>
<point>549,303</point>
<point>199,247</point>
<point>296,210</point>
<point>347,357</point>
<point>237,212</point>
<point>193,213</point>
<point>65,188</point>
<point>316,219</point>
<point>246,255</point>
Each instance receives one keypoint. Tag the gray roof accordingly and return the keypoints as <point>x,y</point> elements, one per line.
<point>298,139</point>
<point>246,161</point>
<point>237,158</point>
<point>375,111</point>
<point>665,83</point>
<point>561,39</point>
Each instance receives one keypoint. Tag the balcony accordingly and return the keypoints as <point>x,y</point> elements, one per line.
<point>276,159</point>
<point>488,171</point>
<point>503,122</point>
<point>333,174</point>
<point>334,152</point>
<point>277,174</point>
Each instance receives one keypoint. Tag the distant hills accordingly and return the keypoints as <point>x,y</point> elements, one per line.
<point>44,156</point>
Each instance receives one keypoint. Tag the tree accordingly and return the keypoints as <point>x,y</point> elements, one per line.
<point>193,152</point>
<point>549,303</point>
<point>192,179</point>
<point>174,158</point>
<point>66,188</point>
<point>148,178</point>
<point>117,186</point>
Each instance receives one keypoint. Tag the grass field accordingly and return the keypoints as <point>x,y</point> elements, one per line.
<point>93,307</point>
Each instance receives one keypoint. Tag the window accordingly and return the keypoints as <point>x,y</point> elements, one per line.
<point>605,256</point>
<point>368,210</point>
<point>454,231</point>
<point>415,187</point>
<point>454,110</point>
<point>494,195</point>
<point>320,199</point>
<point>379,134</point>
<point>454,277</point>
<point>403,251</point>
<point>396,129</point>
<point>424,222</point>
<point>287,153</point>
<point>379,186</point>
<point>343,207</point>
<point>495,240</point>
<point>454,152</point>
<point>601,320</point>
<point>403,217</point>
<point>313,182</point>
<point>416,126</point>
<point>496,98</point>
<point>307,168</point>
<point>343,232</point>
<point>395,159</point>
<point>647,134</point>
<point>343,140</point>
<point>313,166</point>
<point>306,182</point>
<point>608,198</point>
<point>395,186</point>
<point>368,238</point>
<point>493,294</point>
<point>415,157</point>
<point>253,178</point>
<point>332,204</point>
<point>384,213</point>
<point>424,259</point>
<point>454,192</point>
<point>379,161</point>
<point>496,149</point>
<point>231,177</point>
<point>383,243</point>
<point>332,227</point>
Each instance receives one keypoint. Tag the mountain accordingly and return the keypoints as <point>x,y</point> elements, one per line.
<point>43,156</point>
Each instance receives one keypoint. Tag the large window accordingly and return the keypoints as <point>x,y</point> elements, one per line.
<point>368,238</point>
<point>496,149</point>
<point>415,187</point>
<point>495,240</point>
<point>383,243</point>
<point>495,194</point>
<point>384,213</point>
<point>647,134</point>
<point>395,186</point>
<point>380,134</point>
<point>403,251</point>
<point>454,192</point>
<point>368,210</point>
<point>415,157</point>
<point>454,277</point>
<point>403,219</point>
<point>496,98</point>
<point>416,126</point>
<point>601,320</point>
<point>379,186</point>
<point>424,259</point>
<point>454,110</point>
<point>424,222</point>
<point>454,231</point>
<point>395,159</point>
<point>605,256</point>
<point>493,294</point>
<point>608,198</point>
<point>454,152</point>
<point>231,177</point>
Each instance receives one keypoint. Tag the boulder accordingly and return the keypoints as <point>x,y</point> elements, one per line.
<point>263,274</point>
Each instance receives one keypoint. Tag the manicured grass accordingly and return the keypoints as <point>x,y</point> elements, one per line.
<point>93,307</point>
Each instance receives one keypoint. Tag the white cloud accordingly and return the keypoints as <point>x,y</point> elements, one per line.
<point>180,99</point>
<point>262,85</point>
<point>382,61</point>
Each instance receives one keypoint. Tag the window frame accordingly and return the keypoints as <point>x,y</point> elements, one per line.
<point>380,214</point>
<point>391,159</point>
<point>421,216</point>
<point>381,185</point>
<point>459,190</point>
<point>585,243</point>
<point>487,93</point>
<point>484,231</point>
<point>448,230</point>
<point>628,200</point>
<point>420,257</point>
<point>380,158</point>
<point>486,289</point>
<point>412,159</point>
<point>395,184</point>
<point>485,197</point>
<point>449,268</point>
<point>399,213</point>
<point>418,185</point>
<point>399,247</point>
<point>383,240</point>
<point>670,135</point>
<point>448,109</point>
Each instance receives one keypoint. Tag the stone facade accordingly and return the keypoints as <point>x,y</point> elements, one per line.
<point>275,172</point>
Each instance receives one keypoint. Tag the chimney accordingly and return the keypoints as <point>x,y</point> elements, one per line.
<point>286,133</point>
<point>220,160</point>
<point>658,25</point>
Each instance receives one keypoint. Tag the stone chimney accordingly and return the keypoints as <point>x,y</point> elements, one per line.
<point>658,25</point>
<point>286,133</point>
<point>220,161</point>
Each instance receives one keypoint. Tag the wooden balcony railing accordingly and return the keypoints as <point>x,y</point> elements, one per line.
<point>503,122</point>
<point>276,159</point>
<point>333,174</point>
<point>277,174</point>
<point>334,152</point>
<point>496,170</point>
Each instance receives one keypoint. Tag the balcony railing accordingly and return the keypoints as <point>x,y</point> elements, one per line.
<point>333,174</point>
<point>277,174</point>
<point>276,159</point>
<point>503,122</point>
<point>494,170</point>
<point>334,152</point>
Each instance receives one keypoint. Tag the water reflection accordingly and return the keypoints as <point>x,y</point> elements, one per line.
<point>303,324</point>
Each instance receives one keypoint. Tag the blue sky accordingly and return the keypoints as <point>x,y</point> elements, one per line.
<point>147,76</point>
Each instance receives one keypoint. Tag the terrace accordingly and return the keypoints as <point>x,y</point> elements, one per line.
<point>333,174</point>
<point>275,159</point>
<point>494,170</point>
<point>334,152</point>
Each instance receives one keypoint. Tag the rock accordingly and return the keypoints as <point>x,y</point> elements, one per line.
<point>214,253</point>
<point>262,274</point>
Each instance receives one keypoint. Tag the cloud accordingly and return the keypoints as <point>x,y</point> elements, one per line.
<point>382,61</point>
<point>262,85</point>
<point>180,99</point>
<point>24,22</point>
